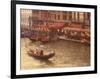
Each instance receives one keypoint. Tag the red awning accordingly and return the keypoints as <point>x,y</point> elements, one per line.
<point>56,25</point>
<point>44,28</point>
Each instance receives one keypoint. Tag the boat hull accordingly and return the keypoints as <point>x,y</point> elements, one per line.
<point>41,57</point>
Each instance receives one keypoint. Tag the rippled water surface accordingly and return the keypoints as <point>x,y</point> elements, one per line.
<point>68,54</point>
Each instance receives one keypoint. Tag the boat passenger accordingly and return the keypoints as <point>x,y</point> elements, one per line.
<point>37,52</point>
<point>41,52</point>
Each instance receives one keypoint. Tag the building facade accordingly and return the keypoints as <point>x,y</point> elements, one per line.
<point>47,24</point>
<point>62,16</point>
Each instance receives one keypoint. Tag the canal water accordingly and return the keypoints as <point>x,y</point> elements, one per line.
<point>68,54</point>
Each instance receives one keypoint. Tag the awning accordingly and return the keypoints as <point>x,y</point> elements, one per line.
<point>76,29</point>
<point>43,29</point>
<point>56,25</point>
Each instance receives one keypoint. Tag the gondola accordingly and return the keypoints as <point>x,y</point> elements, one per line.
<point>41,57</point>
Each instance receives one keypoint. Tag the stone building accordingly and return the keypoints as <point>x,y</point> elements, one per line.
<point>49,23</point>
<point>62,16</point>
